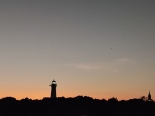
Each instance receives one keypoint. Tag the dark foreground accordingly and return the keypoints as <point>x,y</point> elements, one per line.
<point>78,106</point>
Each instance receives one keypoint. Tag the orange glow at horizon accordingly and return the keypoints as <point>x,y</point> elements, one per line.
<point>42,94</point>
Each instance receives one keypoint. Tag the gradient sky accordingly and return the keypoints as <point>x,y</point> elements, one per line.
<point>97,48</point>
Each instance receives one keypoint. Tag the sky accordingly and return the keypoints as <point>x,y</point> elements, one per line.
<point>96,48</point>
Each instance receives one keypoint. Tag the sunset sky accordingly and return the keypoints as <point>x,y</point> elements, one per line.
<point>96,48</point>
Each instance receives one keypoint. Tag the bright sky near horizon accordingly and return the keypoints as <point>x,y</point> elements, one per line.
<point>97,48</point>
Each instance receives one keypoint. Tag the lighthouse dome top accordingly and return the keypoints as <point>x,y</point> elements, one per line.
<point>53,82</point>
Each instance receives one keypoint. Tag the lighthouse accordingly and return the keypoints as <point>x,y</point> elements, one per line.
<point>53,89</point>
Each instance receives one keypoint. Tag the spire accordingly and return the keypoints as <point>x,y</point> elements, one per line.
<point>149,96</point>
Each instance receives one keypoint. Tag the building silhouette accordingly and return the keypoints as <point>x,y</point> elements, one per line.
<point>149,97</point>
<point>53,89</point>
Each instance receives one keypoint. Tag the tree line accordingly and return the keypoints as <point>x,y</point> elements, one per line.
<point>77,106</point>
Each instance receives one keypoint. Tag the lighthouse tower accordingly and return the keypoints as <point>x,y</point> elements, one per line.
<point>53,89</point>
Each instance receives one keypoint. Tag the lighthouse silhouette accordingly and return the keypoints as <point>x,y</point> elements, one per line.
<point>53,89</point>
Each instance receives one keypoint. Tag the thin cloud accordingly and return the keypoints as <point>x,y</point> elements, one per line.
<point>86,66</point>
<point>126,61</point>
<point>112,69</point>
<point>95,66</point>
<point>112,66</point>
